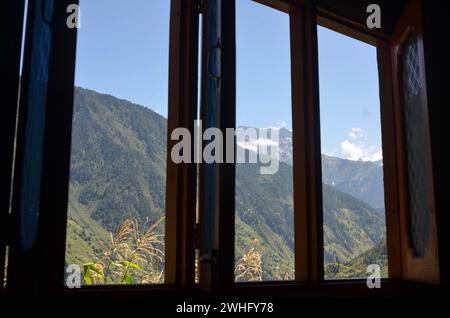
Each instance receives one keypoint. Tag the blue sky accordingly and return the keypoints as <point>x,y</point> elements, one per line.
<point>123,50</point>
<point>349,97</point>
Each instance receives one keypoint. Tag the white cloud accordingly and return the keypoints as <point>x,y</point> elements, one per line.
<point>353,151</point>
<point>350,151</point>
<point>357,149</point>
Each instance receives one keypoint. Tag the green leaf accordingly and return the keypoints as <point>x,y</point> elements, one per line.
<point>87,272</point>
<point>130,264</point>
<point>127,278</point>
<point>87,268</point>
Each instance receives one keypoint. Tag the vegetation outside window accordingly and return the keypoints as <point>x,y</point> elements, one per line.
<point>116,209</point>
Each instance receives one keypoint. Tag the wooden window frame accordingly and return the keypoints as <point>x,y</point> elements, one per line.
<point>182,181</point>
<point>181,187</point>
<point>388,125</point>
<point>307,169</point>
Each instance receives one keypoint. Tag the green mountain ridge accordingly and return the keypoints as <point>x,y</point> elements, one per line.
<point>361,179</point>
<point>357,267</point>
<point>118,171</point>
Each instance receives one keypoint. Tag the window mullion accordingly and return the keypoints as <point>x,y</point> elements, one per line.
<point>306,143</point>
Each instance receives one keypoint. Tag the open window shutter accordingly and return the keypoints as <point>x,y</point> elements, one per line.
<point>208,175</point>
<point>416,195</point>
<point>217,180</point>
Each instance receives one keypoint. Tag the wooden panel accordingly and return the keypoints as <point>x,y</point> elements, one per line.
<point>301,220</point>
<point>276,4</point>
<point>389,161</point>
<point>181,178</point>
<point>341,25</point>
<point>354,11</point>
<point>416,268</point>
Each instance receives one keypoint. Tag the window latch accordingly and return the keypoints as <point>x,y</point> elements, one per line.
<point>209,258</point>
<point>216,77</point>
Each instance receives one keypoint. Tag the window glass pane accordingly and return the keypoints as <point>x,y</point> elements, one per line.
<point>115,230</point>
<point>264,242</point>
<point>416,158</point>
<point>352,159</point>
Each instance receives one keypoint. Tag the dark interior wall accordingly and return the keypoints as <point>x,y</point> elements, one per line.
<point>11,33</point>
<point>438,71</point>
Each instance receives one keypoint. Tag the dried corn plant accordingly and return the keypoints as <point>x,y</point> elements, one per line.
<point>134,257</point>
<point>249,267</point>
